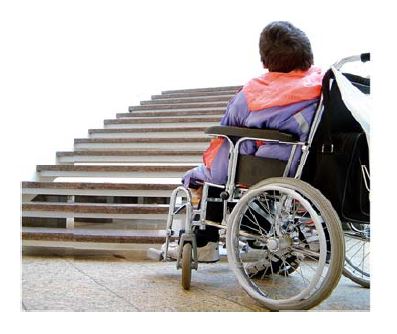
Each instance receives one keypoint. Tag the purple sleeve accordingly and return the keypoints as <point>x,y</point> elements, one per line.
<point>235,115</point>
<point>236,111</point>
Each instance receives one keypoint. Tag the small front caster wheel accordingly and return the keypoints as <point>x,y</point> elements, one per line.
<point>186,265</point>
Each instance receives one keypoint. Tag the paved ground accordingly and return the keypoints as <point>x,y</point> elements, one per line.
<point>109,283</point>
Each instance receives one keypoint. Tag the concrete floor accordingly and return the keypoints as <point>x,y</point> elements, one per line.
<point>114,283</point>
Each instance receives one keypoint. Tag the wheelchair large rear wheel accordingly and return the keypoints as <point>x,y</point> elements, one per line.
<point>357,240</point>
<point>295,244</point>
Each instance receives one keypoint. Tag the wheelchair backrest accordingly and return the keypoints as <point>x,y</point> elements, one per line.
<point>338,154</point>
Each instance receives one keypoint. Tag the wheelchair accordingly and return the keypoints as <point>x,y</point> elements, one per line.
<point>285,230</point>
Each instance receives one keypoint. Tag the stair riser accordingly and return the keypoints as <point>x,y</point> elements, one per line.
<point>130,224</point>
<point>169,99</point>
<point>62,214</point>
<point>134,249</point>
<point>164,119</point>
<point>143,119</point>
<point>145,110</point>
<point>194,94</point>
<point>180,134</point>
<point>112,225</point>
<point>180,106</point>
<point>94,192</point>
<point>121,159</point>
<point>160,125</point>
<point>214,99</point>
<point>132,146</point>
<point>179,114</point>
<point>201,90</point>
<point>160,175</point>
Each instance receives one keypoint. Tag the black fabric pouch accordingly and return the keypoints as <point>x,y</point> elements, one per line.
<point>337,171</point>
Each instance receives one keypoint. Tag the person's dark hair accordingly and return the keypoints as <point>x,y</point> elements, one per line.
<point>284,48</point>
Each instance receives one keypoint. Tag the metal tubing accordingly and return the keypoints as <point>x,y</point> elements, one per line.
<point>365,173</point>
<point>171,214</point>
<point>313,129</point>
<point>203,205</point>
<point>289,163</point>
<point>211,223</point>
<point>338,65</point>
<point>230,164</point>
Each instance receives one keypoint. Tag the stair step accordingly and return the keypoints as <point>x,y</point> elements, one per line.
<point>94,210</point>
<point>90,235</point>
<point>147,122</point>
<point>190,144</point>
<point>137,171</point>
<point>175,100</point>
<point>97,189</point>
<point>179,106</point>
<point>209,89</point>
<point>180,132</point>
<point>139,140</point>
<point>137,155</point>
<point>93,186</point>
<point>130,153</point>
<point>194,94</point>
<point>194,112</point>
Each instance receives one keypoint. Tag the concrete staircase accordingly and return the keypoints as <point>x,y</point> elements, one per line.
<point>112,191</point>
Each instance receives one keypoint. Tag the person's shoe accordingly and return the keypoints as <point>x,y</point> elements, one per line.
<point>206,254</point>
<point>173,248</point>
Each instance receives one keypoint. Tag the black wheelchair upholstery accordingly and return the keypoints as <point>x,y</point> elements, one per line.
<point>338,151</point>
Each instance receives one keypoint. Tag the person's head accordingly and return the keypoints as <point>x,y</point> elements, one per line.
<point>284,48</point>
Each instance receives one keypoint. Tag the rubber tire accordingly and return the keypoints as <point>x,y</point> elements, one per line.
<point>365,283</point>
<point>186,265</point>
<point>335,233</point>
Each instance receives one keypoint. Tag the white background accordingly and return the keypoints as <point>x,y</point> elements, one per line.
<point>68,65</point>
<point>71,64</point>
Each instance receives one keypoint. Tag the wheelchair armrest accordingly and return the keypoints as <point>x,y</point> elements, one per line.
<point>265,134</point>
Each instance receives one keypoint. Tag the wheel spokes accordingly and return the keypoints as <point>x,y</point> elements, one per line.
<point>278,219</point>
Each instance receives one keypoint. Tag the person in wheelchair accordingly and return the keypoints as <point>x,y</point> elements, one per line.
<point>285,98</point>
